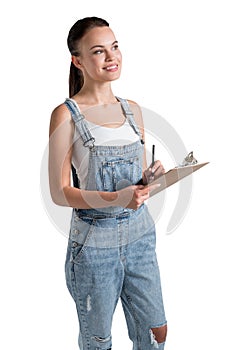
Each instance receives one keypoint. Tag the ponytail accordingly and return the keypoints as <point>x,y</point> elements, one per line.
<point>77,31</point>
<point>75,80</point>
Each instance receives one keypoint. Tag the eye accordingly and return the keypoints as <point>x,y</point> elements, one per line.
<point>115,47</point>
<point>98,52</point>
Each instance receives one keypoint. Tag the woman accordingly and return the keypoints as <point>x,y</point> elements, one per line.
<point>111,247</point>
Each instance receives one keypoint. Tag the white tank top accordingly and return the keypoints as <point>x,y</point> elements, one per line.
<point>104,136</point>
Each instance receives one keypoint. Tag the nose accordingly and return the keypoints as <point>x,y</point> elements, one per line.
<point>109,55</point>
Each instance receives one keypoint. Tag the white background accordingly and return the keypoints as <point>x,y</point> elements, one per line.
<point>177,62</point>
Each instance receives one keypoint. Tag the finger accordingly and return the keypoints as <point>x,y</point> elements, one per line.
<point>159,170</point>
<point>140,187</point>
<point>143,191</point>
<point>156,166</point>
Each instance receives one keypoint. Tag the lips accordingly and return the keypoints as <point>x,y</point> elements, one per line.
<point>111,68</point>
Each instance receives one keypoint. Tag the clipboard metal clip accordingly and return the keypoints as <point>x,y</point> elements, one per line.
<point>189,160</point>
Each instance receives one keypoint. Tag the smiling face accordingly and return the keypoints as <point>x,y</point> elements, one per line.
<point>99,56</point>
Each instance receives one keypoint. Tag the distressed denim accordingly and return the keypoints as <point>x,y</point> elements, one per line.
<point>111,255</point>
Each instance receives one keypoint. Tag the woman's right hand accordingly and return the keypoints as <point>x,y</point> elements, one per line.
<point>133,197</point>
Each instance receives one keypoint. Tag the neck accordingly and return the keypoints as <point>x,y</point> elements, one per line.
<point>97,93</point>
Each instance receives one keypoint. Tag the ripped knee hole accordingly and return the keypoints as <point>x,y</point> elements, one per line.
<point>159,333</point>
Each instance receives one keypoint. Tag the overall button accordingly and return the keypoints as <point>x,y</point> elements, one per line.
<point>74,244</point>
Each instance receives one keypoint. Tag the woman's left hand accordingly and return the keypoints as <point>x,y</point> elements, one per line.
<point>153,172</point>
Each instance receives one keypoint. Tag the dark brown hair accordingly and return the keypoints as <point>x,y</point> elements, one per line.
<point>77,31</point>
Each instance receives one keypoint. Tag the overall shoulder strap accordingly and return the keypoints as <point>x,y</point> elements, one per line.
<point>80,123</point>
<point>130,116</point>
<point>87,138</point>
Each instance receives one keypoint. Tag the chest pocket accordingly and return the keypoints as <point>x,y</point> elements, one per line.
<point>120,173</point>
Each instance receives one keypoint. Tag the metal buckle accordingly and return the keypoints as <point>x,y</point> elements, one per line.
<point>189,160</point>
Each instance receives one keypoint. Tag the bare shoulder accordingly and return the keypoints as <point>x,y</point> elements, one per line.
<point>59,115</point>
<point>134,105</point>
<point>132,102</point>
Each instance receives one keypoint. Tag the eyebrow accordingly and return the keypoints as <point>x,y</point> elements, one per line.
<point>115,42</point>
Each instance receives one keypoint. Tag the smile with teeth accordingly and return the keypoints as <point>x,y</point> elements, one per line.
<point>112,68</point>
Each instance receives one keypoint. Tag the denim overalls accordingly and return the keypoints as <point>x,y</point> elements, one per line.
<point>111,250</point>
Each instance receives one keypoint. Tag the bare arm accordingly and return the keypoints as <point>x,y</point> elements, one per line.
<point>60,153</point>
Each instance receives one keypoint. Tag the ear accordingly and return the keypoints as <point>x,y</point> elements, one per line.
<point>76,61</point>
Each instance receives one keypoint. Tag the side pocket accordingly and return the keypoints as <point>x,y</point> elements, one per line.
<point>75,250</point>
<point>80,236</point>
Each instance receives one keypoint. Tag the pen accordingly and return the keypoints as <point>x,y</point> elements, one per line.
<point>153,154</point>
<point>153,159</point>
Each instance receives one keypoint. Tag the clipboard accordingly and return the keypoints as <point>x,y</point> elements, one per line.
<point>174,175</point>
